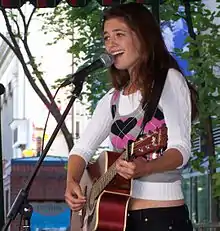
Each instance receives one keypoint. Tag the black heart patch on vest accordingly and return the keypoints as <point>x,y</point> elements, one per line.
<point>121,128</point>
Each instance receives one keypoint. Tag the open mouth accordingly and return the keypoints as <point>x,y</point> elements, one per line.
<point>117,53</point>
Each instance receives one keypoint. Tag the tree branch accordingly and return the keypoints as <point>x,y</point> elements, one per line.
<point>17,26</point>
<point>16,49</point>
<point>23,19</point>
<point>31,15</point>
<point>52,106</point>
<point>9,44</point>
<point>36,71</point>
<point>26,25</point>
<point>19,55</point>
<point>31,58</point>
<point>189,19</point>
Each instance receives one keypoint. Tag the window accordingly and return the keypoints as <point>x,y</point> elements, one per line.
<point>194,199</point>
<point>203,198</point>
<point>5,98</point>
<point>15,135</point>
<point>186,191</point>
<point>10,88</point>
<point>77,129</point>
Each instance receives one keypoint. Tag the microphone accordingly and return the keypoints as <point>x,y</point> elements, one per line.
<point>2,89</point>
<point>105,60</point>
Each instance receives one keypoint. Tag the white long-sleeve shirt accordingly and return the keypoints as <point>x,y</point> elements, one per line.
<point>175,104</point>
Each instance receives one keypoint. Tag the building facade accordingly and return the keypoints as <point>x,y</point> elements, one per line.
<point>46,195</point>
<point>23,113</point>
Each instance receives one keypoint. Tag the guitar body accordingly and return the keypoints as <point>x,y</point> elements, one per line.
<point>107,212</point>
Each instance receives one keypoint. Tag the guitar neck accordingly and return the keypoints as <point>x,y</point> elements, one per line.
<point>103,181</point>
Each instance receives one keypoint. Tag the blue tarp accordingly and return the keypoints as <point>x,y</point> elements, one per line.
<point>53,223</point>
<point>174,34</point>
<point>47,160</point>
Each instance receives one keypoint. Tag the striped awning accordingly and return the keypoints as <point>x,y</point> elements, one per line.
<point>54,3</point>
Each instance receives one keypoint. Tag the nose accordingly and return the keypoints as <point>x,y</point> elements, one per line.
<point>110,44</point>
<point>112,40</point>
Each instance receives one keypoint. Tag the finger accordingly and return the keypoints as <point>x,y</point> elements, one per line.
<point>70,204</point>
<point>126,171</point>
<point>124,163</point>
<point>78,200</point>
<point>75,205</point>
<point>74,199</point>
<point>126,176</point>
<point>78,192</point>
<point>71,201</point>
<point>76,208</point>
<point>131,165</point>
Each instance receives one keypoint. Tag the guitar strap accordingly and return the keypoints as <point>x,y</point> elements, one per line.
<point>152,104</point>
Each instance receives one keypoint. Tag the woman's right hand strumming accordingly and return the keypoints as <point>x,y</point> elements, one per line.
<point>74,196</point>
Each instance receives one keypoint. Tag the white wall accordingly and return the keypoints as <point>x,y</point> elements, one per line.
<point>55,63</point>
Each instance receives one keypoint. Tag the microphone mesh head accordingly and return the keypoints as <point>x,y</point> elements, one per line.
<point>107,59</point>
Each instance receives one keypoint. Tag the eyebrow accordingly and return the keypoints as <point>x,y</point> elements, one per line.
<point>115,30</point>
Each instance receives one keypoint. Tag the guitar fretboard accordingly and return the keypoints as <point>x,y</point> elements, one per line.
<point>103,181</point>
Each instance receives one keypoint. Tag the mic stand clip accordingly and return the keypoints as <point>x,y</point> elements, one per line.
<point>26,213</point>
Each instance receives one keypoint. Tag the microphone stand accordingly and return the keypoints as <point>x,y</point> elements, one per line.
<point>20,204</point>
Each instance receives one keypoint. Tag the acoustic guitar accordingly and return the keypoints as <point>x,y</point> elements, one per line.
<point>108,193</point>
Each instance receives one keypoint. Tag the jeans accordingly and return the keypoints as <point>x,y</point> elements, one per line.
<point>159,219</point>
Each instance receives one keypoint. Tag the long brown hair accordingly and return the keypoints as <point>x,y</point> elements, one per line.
<point>154,53</point>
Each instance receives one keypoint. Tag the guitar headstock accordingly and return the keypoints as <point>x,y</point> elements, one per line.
<point>151,142</point>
